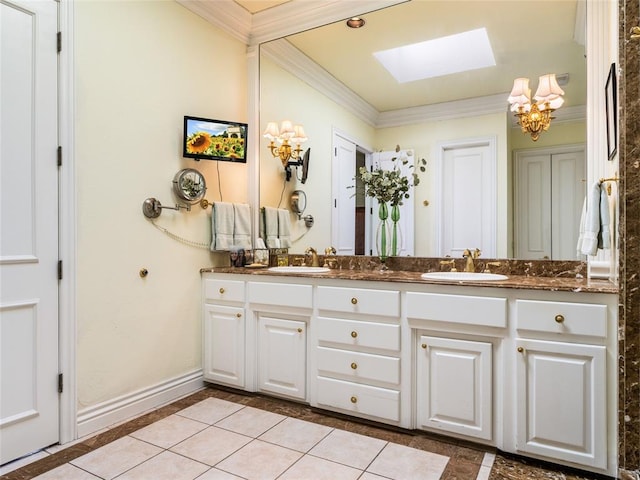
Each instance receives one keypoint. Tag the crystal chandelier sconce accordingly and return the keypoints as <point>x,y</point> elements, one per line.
<point>282,141</point>
<point>535,118</point>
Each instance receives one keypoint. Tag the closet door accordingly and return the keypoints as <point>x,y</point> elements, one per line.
<point>343,213</point>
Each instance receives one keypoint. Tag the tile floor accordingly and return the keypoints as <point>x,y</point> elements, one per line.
<point>221,435</point>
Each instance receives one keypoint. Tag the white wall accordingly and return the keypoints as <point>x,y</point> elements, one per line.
<point>141,66</point>
<point>283,96</point>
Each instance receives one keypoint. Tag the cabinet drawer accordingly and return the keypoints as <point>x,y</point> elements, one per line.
<point>359,366</point>
<point>563,318</point>
<point>465,309</point>
<point>359,300</point>
<point>281,294</point>
<point>359,333</point>
<point>223,289</point>
<point>359,399</point>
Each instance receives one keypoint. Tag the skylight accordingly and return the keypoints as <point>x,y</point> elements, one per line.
<point>441,56</point>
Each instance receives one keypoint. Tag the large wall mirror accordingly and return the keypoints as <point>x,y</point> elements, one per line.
<point>527,204</point>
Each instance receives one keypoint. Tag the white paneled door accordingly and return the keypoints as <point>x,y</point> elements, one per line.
<point>29,403</point>
<point>468,205</point>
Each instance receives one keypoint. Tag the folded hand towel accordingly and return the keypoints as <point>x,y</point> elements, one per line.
<point>592,221</point>
<point>222,219</point>
<point>604,234</point>
<point>271,227</point>
<point>583,218</point>
<point>242,226</point>
<point>284,228</point>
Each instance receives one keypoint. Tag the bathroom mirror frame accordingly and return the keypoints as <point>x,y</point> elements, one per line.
<point>598,52</point>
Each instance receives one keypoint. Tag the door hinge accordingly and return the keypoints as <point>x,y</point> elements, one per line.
<point>59,155</point>
<point>59,41</point>
<point>60,383</point>
<point>335,151</point>
<point>59,269</point>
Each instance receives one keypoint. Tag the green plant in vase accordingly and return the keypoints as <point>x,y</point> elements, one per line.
<point>391,186</point>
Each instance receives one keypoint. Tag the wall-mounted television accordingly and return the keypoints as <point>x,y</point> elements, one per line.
<point>208,139</point>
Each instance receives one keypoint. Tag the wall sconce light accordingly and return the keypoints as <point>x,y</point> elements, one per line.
<point>535,118</point>
<point>286,136</point>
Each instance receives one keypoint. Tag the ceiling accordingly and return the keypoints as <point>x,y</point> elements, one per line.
<point>529,38</point>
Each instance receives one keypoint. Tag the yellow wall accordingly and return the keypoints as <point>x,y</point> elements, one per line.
<point>284,96</point>
<point>140,66</point>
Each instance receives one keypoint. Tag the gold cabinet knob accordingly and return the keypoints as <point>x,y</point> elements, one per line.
<point>299,330</point>
<point>559,318</point>
<point>354,334</point>
<point>354,399</point>
<point>239,315</point>
<point>635,33</point>
<point>520,349</point>
<point>354,301</point>
<point>221,290</point>
<point>424,345</point>
<point>354,365</point>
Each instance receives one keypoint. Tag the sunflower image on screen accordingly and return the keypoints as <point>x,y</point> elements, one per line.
<point>214,140</point>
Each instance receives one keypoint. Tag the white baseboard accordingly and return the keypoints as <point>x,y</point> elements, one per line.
<point>128,406</point>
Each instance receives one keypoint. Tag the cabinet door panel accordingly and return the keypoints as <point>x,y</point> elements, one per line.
<point>561,401</point>
<point>454,386</point>
<point>224,336</point>
<point>282,356</point>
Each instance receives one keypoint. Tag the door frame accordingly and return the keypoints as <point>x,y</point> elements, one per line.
<point>489,141</point>
<point>67,224</point>
<point>362,147</point>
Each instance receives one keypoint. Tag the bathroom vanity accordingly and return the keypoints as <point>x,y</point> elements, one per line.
<point>527,365</point>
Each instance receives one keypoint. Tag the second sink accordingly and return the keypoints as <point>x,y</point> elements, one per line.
<point>299,269</point>
<point>464,276</point>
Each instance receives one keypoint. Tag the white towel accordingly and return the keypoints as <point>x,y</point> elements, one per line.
<point>284,228</point>
<point>270,223</point>
<point>583,218</point>
<point>242,226</point>
<point>604,235</point>
<point>222,219</point>
<point>596,224</point>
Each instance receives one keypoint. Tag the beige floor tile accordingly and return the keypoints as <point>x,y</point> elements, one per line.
<point>348,448</point>
<point>211,445</point>
<point>210,410</point>
<point>166,466</point>
<point>169,431</point>
<point>315,468</point>
<point>406,463</point>
<point>371,476</point>
<point>250,421</point>
<point>259,461</point>
<point>296,434</point>
<point>116,457</point>
<point>66,472</point>
<point>215,474</point>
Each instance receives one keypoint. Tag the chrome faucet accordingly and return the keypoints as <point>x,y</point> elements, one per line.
<point>470,256</point>
<point>314,257</point>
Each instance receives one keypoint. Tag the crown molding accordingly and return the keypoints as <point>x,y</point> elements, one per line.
<point>277,22</point>
<point>227,15</point>
<point>292,60</point>
<point>299,15</point>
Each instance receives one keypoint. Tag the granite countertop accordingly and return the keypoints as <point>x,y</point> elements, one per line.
<point>567,283</point>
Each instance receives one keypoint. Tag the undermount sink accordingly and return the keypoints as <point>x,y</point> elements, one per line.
<point>464,276</point>
<point>299,269</point>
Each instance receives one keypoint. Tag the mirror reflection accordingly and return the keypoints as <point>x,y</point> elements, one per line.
<point>486,185</point>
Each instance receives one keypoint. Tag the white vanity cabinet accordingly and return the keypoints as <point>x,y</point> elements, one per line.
<point>454,361</point>
<point>357,352</point>
<point>224,331</point>
<point>561,381</point>
<point>282,312</point>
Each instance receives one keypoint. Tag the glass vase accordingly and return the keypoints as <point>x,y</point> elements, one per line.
<point>396,233</point>
<point>382,234</point>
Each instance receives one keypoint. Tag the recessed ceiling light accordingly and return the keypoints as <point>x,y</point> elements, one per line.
<point>355,22</point>
<point>441,56</point>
